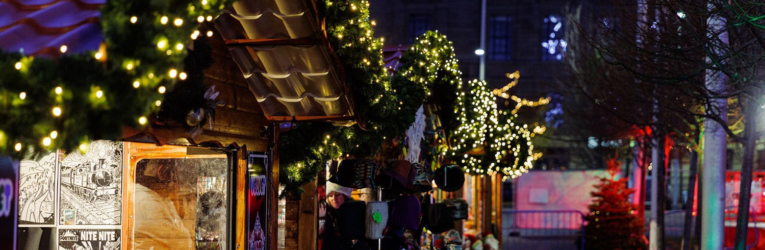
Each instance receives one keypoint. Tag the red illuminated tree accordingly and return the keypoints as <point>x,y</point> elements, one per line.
<point>612,222</point>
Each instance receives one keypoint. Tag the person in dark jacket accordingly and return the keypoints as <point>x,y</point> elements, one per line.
<point>336,196</point>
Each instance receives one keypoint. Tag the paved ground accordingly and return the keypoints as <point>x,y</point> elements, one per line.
<point>560,239</point>
<point>539,243</point>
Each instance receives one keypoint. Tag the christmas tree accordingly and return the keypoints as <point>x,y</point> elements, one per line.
<point>612,222</point>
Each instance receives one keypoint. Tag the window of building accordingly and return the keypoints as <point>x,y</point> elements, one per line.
<point>553,159</point>
<point>553,43</point>
<point>500,38</point>
<point>611,23</point>
<point>418,25</point>
<point>181,203</point>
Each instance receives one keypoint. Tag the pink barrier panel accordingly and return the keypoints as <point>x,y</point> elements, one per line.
<point>555,190</point>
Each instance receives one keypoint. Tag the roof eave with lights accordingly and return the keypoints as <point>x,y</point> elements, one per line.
<point>281,49</point>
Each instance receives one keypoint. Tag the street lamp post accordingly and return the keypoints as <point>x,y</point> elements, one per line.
<point>480,51</point>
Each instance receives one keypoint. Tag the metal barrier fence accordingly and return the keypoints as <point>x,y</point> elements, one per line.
<point>559,230</point>
<point>674,220</point>
<point>731,214</point>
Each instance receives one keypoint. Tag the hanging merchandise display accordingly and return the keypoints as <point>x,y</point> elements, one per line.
<point>346,172</point>
<point>397,177</point>
<point>357,174</point>
<point>405,212</point>
<point>351,220</point>
<point>377,219</point>
<point>457,208</point>
<point>438,219</point>
<point>453,240</point>
<point>415,135</point>
<point>422,178</point>
<point>449,178</point>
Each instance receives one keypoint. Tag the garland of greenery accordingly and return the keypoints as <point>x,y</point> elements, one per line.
<point>478,122</point>
<point>304,150</point>
<point>388,108</point>
<point>429,71</point>
<point>66,102</point>
<point>429,67</point>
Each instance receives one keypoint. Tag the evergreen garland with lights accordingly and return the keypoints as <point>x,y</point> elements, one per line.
<point>68,101</point>
<point>478,121</point>
<point>428,69</point>
<point>306,147</point>
<point>490,141</point>
<point>511,151</point>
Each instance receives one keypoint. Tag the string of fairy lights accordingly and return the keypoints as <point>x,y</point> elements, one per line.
<point>92,96</point>
<point>66,101</point>
<point>488,140</point>
<point>306,147</point>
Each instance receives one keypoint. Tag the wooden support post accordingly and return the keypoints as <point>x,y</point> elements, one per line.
<point>486,197</point>
<point>241,200</point>
<point>308,218</point>
<point>499,205</point>
<point>273,189</point>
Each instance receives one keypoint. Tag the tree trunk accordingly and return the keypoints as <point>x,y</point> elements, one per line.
<point>696,240</point>
<point>638,183</point>
<point>675,182</point>
<point>745,189</point>
<point>713,189</point>
<point>658,194</point>
<point>689,202</point>
<point>715,143</point>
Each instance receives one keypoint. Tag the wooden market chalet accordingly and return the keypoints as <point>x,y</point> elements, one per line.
<point>258,48</point>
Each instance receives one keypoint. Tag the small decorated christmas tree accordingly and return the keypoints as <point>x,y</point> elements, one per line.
<point>612,222</point>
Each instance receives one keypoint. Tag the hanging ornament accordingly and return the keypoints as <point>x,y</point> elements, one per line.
<point>415,135</point>
<point>194,116</point>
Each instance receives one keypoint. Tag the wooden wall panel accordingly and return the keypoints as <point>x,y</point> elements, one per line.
<point>291,216</point>
<point>308,218</point>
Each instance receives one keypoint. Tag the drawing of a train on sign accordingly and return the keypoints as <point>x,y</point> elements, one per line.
<point>91,180</point>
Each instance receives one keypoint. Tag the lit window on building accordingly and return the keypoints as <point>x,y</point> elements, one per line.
<point>500,38</point>
<point>554,114</point>
<point>418,25</point>
<point>553,42</point>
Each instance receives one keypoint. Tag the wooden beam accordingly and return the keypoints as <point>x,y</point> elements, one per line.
<point>310,118</point>
<point>273,42</point>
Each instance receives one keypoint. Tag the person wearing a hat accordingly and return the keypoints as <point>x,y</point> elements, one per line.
<point>336,196</point>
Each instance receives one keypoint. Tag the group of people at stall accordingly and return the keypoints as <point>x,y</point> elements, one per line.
<point>404,211</point>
